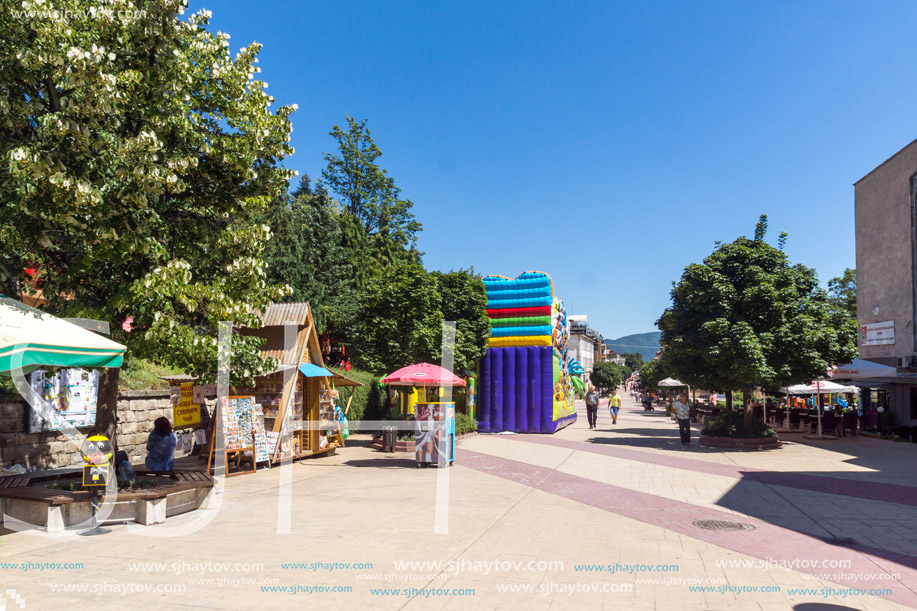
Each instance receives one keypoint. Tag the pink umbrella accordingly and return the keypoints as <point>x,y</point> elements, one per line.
<point>423,374</point>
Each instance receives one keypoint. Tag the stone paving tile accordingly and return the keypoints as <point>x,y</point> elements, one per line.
<point>766,539</point>
<point>362,506</point>
<point>811,512</point>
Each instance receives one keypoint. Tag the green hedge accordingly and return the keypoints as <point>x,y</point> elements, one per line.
<point>464,424</point>
<point>732,424</point>
<point>368,400</point>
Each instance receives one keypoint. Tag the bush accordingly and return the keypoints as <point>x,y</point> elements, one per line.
<point>368,401</point>
<point>141,374</point>
<point>465,424</point>
<point>732,424</point>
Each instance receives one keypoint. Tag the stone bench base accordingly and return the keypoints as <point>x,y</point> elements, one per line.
<point>56,518</point>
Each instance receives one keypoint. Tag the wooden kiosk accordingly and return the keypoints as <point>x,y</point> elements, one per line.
<point>295,398</point>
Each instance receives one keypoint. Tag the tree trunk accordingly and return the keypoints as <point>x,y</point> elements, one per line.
<point>749,410</point>
<point>728,400</point>
<point>107,407</point>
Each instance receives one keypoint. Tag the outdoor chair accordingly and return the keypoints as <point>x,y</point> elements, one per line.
<point>828,423</point>
<point>795,419</point>
<point>850,421</point>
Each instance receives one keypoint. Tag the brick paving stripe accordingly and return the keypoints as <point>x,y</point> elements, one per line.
<point>767,541</point>
<point>889,493</point>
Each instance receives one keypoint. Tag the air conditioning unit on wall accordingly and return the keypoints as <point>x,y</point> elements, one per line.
<point>907,362</point>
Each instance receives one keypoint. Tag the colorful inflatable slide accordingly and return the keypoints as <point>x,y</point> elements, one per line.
<point>525,383</point>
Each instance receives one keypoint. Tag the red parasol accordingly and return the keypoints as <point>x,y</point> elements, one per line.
<point>423,374</point>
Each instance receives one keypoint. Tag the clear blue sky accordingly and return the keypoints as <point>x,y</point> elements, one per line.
<point>607,144</point>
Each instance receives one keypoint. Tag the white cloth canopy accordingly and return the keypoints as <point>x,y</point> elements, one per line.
<point>822,387</point>
<point>30,338</point>
<point>859,369</point>
<point>671,382</point>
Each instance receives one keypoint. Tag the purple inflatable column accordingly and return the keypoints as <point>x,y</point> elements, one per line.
<point>496,385</point>
<point>546,419</point>
<point>533,405</point>
<point>509,389</point>
<point>522,395</point>
<point>484,393</point>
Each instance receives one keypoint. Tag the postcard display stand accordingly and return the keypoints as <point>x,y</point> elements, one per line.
<point>243,434</point>
<point>295,434</point>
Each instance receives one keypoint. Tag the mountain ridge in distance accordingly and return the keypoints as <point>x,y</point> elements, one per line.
<point>646,344</point>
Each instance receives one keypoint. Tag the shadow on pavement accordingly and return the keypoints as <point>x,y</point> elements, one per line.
<point>391,462</point>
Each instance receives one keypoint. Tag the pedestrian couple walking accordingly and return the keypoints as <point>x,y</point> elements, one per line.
<point>592,406</point>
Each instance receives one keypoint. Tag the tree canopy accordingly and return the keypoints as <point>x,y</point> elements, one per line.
<point>139,155</point>
<point>307,252</point>
<point>607,375</point>
<point>651,372</point>
<point>400,318</point>
<point>842,291</point>
<point>747,317</point>
<point>633,360</point>
<point>379,227</point>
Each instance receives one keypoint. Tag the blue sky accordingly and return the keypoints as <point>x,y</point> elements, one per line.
<point>608,144</point>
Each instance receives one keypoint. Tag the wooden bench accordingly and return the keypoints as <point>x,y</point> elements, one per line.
<point>17,487</point>
<point>57,509</point>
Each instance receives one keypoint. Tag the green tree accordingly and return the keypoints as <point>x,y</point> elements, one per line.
<point>379,228</point>
<point>842,291</point>
<point>464,300</point>
<point>307,253</point>
<point>399,320</point>
<point>138,157</point>
<point>650,374</point>
<point>607,375</point>
<point>633,360</point>
<point>746,317</point>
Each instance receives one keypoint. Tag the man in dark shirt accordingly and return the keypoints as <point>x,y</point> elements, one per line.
<point>592,406</point>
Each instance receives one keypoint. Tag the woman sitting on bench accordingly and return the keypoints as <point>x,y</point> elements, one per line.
<point>160,446</point>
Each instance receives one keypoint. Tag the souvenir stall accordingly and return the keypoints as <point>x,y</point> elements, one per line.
<point>291,409</point>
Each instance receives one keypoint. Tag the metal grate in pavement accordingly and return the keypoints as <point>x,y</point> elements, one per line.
<point>722,525</point>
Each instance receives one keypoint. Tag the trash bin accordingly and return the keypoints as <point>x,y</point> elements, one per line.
<point>389,437</point>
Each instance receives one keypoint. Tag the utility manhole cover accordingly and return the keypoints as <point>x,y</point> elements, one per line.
<point>722,525</point>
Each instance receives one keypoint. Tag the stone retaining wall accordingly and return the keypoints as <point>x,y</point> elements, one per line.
<point>137,409</point>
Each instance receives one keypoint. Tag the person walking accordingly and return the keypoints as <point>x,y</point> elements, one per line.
<point>614,404</point>
<point>683,415</point>
<point>592,406</point>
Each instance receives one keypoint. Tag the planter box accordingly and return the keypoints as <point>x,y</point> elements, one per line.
<point>409,445</point>
<point>738,443</point>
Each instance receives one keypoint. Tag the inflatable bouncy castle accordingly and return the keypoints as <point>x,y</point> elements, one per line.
<point>525,382</point>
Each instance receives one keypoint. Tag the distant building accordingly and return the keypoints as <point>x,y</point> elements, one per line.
<point>586,344</point>
<point>886,260</point>
<point>612,356</point>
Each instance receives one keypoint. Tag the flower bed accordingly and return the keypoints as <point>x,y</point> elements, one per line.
<point>727,430</point>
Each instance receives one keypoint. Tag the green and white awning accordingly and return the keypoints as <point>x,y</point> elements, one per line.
<point>30,337</point>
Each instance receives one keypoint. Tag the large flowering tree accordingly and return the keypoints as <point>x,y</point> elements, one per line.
<point>136,157</point>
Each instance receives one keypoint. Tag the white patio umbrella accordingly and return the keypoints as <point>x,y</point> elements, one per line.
<point>670,383</point>
<point>30,338</point>
<point>818,388</point>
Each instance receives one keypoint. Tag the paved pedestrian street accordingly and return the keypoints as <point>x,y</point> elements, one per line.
<point>583,519</point>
